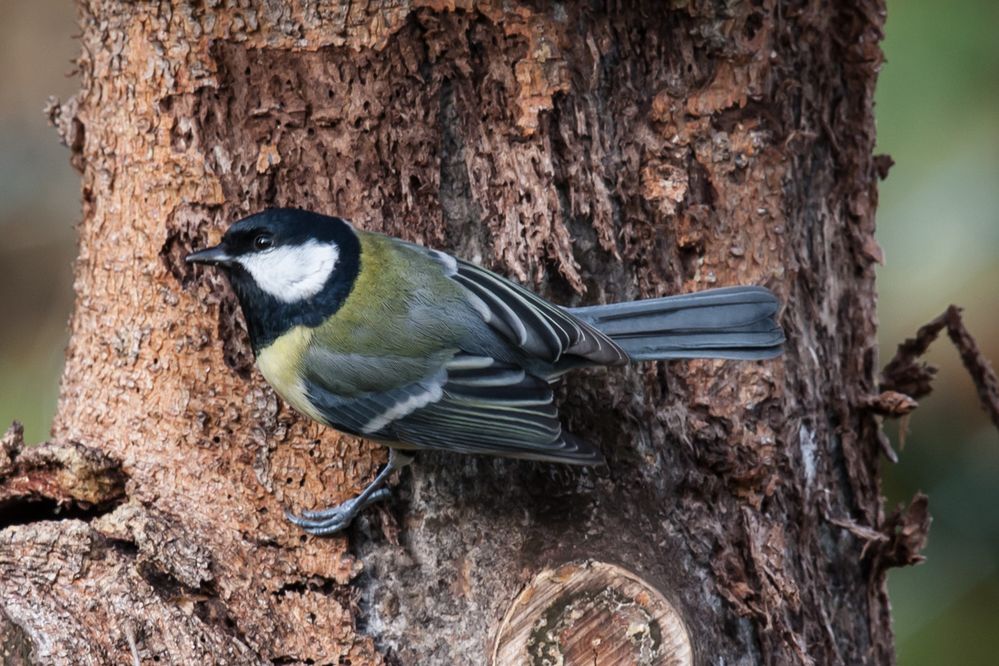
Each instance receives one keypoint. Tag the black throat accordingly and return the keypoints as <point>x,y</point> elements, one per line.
<point>267,317</point>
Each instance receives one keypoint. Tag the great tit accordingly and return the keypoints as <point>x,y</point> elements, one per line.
<point>416,349</point>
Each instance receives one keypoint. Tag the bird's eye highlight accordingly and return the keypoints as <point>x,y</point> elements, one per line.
<point>263,242</point>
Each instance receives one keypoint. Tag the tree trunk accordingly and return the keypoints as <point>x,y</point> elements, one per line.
<point>595,152</point>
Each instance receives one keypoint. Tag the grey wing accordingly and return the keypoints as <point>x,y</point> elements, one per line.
<point>371,414</point>
<point>539,328</point>
<point>494,408</point>
<point>471,404</point>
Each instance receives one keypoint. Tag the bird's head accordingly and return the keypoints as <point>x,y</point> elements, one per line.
<point>287,267</point>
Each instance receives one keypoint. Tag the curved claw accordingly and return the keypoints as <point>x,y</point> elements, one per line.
<point>329,511</point>
<point>318,528</point>
<point>336,518</point>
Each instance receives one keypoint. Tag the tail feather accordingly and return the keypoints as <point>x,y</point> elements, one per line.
<point>732,323</point>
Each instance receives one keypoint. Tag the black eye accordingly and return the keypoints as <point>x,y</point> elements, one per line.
<point>262,241</point>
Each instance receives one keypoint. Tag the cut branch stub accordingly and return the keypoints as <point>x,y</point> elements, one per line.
<point>591,613</point>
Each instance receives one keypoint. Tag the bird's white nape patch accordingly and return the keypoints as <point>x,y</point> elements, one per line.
<point>292,273</point>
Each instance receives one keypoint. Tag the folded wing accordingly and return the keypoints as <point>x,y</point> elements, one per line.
<point>473,404</point>
<point>539,328</point>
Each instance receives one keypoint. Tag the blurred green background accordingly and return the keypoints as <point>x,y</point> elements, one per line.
<point>938,116</point>
<point>938,222</point>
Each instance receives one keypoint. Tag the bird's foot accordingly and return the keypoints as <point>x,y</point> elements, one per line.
<point>326,522</point>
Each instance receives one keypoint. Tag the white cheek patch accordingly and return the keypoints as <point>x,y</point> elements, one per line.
<point>292,273</point>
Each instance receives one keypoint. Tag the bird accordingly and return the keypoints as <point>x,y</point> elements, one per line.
<point>416,349</point>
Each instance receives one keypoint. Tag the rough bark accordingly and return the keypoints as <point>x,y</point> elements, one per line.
<point>594,151</point>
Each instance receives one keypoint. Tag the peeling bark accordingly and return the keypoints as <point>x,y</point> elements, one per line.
<point>594,152</point>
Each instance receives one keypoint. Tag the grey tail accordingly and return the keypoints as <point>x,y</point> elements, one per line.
<point>732,322</point>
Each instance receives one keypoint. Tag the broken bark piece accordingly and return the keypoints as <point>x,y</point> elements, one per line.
<point>10,447</point>
<point>159,540</point>
<point>68,475</point>
<point>592,612</point>
<point>906,531</point>
<point>890,403</point>
<point>900,540</point>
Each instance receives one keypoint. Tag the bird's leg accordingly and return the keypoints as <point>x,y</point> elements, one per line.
<point>336,518</point>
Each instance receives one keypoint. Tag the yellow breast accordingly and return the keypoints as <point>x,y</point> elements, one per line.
<point>281,365</point>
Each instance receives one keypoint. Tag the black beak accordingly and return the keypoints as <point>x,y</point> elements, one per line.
<point>213,255</point>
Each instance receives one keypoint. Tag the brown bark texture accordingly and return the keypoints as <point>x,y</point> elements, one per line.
<point>593,151</point>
